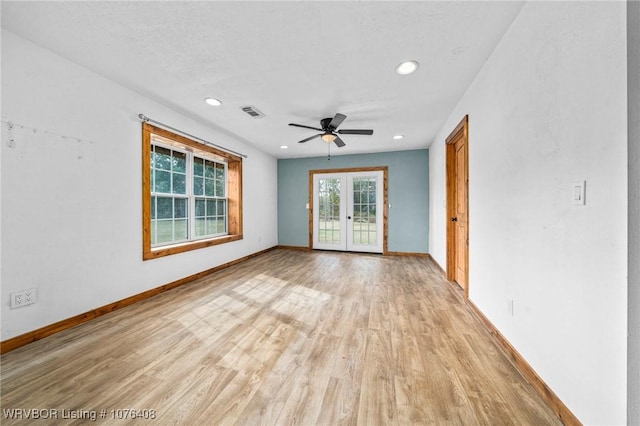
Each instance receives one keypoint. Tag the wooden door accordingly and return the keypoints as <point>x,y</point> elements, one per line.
<point>458,206</point>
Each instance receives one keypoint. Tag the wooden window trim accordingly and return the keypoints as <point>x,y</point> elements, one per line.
<point>234,196</point>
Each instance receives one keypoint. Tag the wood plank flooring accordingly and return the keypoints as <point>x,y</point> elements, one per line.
<point>286,338</point>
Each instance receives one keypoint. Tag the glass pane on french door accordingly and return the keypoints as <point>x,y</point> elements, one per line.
<point>364,211</point>
<point>329,211</point>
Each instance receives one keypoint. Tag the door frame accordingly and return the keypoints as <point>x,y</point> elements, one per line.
<point>461,130</point>
<point>385,200</point>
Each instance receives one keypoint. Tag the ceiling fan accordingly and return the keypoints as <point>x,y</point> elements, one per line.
<point>330,132</point>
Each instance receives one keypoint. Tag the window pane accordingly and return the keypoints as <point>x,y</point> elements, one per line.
<point>222,225</point>
<point>197,167</point>
<point>221,207</point>
<point>220,171</point>
<point>209,169</point>
<point>200,207</point>
<point>219,188</point>
<point>162,181</point>
<point>198,186</point>
<point>164,207</point>
<point>164,231</point>
<point>200,227</point>
<point>208,187</point>
<point>179,183</point>
<point>180,229</point>
<point>162,158</point>
<point>211,207</point>
<point>212,226</point>
<point>180,206</point>
<point>179,162</point>
<point>153,207</point>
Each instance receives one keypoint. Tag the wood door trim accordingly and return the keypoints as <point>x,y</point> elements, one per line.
<point>461,130</point>
<point>385,198</point>
<point>462,126</point>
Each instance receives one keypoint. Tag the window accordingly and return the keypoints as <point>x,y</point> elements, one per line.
<point>192,194</point>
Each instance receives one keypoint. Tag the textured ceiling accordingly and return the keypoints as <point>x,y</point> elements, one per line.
<point>295,61</point>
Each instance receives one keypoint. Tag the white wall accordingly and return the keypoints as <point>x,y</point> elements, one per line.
<point>633,79</point>
<point>549,108</point>
<point>71,191</point>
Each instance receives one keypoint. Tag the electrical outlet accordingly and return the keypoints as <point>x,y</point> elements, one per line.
<point>23,298</point>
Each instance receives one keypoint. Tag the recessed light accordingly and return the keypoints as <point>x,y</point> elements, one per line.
<point>213,101</point>
<point>407,67</point>
<point>284,146</point>
<point>397,137</point>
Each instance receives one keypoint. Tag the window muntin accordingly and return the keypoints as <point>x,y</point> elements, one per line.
<point>192,194</point>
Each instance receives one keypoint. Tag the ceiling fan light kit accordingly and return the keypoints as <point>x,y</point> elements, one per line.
<point>328,137</point>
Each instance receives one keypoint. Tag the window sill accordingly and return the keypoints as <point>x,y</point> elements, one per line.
<point>149,253</point>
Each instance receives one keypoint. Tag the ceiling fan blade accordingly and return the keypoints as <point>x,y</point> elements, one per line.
<point>312,137</point>
<point>339,142</point>
<point>305,127</point>
<point>337,120</point>
<point>355,132</point>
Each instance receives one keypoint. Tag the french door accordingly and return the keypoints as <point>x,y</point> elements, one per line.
<point>348,211</point>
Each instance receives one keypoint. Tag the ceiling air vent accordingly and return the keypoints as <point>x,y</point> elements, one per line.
<point>252,111</point>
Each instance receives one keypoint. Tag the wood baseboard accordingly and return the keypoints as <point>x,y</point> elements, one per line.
<point>300,248</point>
<point>406,253</point>
<point>32,336</point>
<point>444,273</point>
<point>557,406</point>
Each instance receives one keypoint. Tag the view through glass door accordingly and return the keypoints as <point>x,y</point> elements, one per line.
<point>348,211</point>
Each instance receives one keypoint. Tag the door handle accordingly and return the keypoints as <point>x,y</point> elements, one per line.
<point>454,219</point>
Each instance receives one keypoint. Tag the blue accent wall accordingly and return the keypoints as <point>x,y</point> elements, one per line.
<point>408,196</point>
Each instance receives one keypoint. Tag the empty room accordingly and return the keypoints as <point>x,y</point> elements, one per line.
<point>320,212</point>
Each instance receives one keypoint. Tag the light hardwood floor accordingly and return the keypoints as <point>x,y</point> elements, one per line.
<point>286,338</point>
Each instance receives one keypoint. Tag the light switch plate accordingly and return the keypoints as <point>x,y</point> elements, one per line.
<point>578,193</point>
